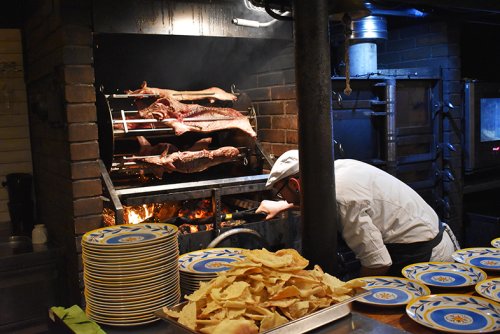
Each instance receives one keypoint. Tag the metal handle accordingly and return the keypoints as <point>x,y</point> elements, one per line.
<point>234,231</point>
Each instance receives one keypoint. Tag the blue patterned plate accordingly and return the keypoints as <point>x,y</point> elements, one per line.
<point>210,260</point>
<point>392,291</point>
<point>444,274</point>
<point>129,234</point>
<point>455,313</point>
<point>481,257</point>
<point>489,288</point>
<point>495,242</point>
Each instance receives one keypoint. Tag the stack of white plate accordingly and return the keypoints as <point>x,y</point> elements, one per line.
<point>129,272</point>
<point>204,265</point>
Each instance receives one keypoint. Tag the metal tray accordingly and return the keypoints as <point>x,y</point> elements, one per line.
<point>304,324</point>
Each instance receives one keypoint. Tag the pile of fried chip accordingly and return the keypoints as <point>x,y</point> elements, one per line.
<point>263,291</point>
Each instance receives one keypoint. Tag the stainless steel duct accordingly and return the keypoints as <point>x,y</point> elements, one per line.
<point>365,32</point>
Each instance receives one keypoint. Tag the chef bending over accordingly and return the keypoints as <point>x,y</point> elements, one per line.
<point>382,220</point>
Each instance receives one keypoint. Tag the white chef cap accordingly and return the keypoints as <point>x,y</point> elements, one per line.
<point>286,165</point>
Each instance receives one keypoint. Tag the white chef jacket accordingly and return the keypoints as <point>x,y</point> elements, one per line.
<point>376,208</point>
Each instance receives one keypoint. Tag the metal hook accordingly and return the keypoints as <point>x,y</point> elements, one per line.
<point>339,97</point>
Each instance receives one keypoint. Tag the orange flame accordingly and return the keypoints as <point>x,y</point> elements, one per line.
<point>138,214</point>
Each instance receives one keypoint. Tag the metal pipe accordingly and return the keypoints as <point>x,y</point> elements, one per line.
<point>362,59</point>
<point>316,143</point>
<point>215,242</point>
<point>256,24</point>
<point>391,126</point>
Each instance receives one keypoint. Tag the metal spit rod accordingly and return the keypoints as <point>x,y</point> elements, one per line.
<point>153,120</point>
<point>135,157</point>
<point>125,96</point>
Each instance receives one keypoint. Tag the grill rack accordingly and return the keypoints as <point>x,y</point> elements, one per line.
<point>132,196</point>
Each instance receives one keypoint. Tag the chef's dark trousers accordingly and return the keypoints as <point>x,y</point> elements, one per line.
<point>406,254</point>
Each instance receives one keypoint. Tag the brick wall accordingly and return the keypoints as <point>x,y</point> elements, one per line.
<point>436,45</point>
<point>60,77</point>
<point>272,90</point>
<point>15,150</point>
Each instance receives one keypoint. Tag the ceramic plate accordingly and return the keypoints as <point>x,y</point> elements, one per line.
<point>455,313</point>
<point>444,274</point>
<point>489,288</point>
<point>392,291</point>
<point>128,234</point>
<point>495,242</point>
<point>482,257</point>
<point>210,260</point>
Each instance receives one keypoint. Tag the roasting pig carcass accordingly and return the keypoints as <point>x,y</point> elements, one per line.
<point>212,93</point>
<point>184,117</point>
<point>145,147</point>
<point>196,158</point>
<point>193,161</point>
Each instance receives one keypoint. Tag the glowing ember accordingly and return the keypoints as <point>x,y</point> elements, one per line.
<point>138,214</point>
<point>161,212</point>
<point>197,209</point>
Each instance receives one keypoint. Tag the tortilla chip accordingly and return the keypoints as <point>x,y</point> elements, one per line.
<point>272,321</point>
<point>236,326</point>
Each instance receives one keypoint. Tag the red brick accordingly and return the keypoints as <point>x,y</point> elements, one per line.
<point>87,223</point>
<point>79,74</point>
<point>87,188</point>
<point>292,137</point>
<point>291,107</point>
<point>88,206</point>
<point>79,93</point>
<point>271,108</point>
<point>283,93</point>
<point>259,94</point>
<point>273,136</point>
<point>82,132</point>
<point>81,112</point>
<point>84,151</point>
<point>85,170</point>
<point>284,122</point>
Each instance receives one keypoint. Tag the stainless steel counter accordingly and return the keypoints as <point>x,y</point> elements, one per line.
<point>354,323</point>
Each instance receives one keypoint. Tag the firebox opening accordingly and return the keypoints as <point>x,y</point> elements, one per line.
<point>123,61</point>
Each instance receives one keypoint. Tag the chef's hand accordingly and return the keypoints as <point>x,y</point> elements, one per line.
<point>272,208</point>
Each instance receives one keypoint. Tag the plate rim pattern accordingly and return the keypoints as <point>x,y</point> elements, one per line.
<point>417,288</point>
<point>413,310</point>
<point>187,260</point>
<point>460,257</point>
<point>478,274</point>
<point>483,294</point>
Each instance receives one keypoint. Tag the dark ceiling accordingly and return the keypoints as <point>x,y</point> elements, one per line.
<point>473,11</point>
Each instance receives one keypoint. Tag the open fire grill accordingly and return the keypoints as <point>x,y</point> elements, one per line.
<point>204,202</point>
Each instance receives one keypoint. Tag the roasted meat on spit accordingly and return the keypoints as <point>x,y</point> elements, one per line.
<point>196,159</point>
<point>192,117</point>
<point>212,93</point>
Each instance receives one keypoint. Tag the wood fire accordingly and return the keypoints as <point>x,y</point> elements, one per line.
<point>193,210</point>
